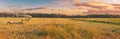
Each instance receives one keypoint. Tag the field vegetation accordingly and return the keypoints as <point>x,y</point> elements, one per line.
<point>114,21</point>
<point>61,28</point>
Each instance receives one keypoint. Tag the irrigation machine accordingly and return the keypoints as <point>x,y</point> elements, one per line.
<point>18,16</point>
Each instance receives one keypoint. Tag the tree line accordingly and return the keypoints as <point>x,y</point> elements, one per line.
<point>43,15</point>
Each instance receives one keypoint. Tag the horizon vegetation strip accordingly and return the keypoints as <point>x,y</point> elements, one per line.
<point>96,21</point>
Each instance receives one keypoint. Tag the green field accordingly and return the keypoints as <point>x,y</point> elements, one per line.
<point>61,28</point>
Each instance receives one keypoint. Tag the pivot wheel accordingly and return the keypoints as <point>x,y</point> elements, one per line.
<point>8,22</point>
<point>20,23</point>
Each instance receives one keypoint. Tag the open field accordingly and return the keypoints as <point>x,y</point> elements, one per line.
<point>62,28</point>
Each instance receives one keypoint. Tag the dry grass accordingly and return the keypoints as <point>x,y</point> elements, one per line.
<point>58,28</point>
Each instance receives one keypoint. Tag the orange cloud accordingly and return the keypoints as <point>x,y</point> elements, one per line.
<point>74,1</point>
<point>97,5</point>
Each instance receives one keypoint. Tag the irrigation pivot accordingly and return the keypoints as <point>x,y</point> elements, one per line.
<point>19,17</point>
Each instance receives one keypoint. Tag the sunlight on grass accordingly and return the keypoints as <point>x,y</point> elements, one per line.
<point>59,28</point>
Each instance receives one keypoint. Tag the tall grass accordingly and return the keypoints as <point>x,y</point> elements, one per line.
<point>59,28</point>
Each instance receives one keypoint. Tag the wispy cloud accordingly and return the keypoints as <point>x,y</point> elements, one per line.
<point>62,2</point>
<point>64,6</point>
<point>37,8</point>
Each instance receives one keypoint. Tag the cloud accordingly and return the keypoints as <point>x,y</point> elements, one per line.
<point>113,1</point>
<point>97,6</point>
<point>37,8</point>
<point>106,1</point>
<point>62,2</point>
<point>75,1</point>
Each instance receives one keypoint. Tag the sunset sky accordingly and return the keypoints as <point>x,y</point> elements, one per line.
<point>33,3</point>
<point>100,6</point>
<point>49,3</point>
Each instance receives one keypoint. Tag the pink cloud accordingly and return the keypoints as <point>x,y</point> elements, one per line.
<point>61,2</point>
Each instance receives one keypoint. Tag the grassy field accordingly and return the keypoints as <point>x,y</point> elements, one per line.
<point>62,28</point>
